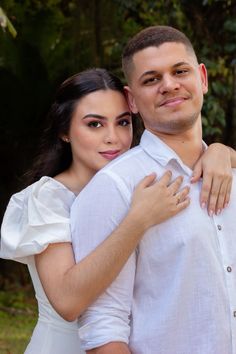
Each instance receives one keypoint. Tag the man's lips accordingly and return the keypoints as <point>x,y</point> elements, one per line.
<point>110,154</point>
<point>172,101</point>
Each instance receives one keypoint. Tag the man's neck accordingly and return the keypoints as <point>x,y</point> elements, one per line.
<point>188,145</point>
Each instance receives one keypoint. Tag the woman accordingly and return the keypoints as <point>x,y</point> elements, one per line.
<point>90,125</point>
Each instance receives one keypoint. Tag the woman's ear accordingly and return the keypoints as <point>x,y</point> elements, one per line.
<point>65,138</point>
<point>130,99</point>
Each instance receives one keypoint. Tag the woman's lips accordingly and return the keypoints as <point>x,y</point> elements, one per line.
<point>110,154</point>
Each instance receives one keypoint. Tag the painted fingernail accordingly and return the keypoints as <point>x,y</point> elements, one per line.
<point>203,205</point>
<point>218,212</point>
<point>225,205</point>
<point>211,212</point>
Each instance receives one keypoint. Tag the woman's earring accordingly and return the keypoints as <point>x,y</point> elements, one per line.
<point>66,140</point>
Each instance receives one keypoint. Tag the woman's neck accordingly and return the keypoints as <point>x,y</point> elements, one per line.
<point>74,178</point>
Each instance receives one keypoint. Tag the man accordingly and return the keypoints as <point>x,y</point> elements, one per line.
<point>177,293</point>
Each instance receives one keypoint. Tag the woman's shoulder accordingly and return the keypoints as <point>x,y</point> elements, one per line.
<point>46,190</point>
<point>35,217</point>
<point>44,202</point>
<point>50,185</point>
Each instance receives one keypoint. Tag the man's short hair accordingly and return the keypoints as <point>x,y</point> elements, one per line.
<point>151,37</point>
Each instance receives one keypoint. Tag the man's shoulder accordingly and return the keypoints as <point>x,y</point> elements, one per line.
<point>117,175</point>
<point>122,162</point>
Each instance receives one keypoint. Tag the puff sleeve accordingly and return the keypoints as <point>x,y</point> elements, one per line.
<point>35,218</point>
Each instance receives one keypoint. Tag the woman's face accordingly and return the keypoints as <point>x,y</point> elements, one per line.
<point>100,130</point>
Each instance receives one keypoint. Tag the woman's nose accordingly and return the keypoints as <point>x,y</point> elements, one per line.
<point>111,136</point>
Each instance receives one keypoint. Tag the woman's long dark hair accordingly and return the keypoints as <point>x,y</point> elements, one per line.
<point>54,154</point>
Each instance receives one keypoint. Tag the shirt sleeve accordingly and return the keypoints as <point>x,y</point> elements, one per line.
<point>35,218</point>
<point>96,212</point>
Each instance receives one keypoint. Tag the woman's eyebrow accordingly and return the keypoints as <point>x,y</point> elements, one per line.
<point>94,115</point>
<point>124,114</point>
<point>98,116</point>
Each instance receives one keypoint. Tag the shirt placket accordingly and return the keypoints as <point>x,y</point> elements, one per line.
<point>229,275</point>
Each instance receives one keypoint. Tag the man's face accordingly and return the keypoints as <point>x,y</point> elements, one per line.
<point>166,88</point>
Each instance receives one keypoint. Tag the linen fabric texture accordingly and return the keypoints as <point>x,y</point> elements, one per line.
<point>175,295</point>
<point>36,217</point>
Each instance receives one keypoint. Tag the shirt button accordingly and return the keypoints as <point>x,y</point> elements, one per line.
<point>229,269</point>
<point>234,313</point>
<point>219,227</point>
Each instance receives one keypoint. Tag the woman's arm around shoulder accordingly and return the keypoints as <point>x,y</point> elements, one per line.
<point>215,167</point>
<point>71,287</point>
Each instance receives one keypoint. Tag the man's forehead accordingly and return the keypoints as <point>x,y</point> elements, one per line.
<point>170,53</point>
<point>168,48</point>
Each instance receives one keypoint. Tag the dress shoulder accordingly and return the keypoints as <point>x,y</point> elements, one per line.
<point>36,217</point>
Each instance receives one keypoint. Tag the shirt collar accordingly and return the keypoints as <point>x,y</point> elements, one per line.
<point>161,152</point>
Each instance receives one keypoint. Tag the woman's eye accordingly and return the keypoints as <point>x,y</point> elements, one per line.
<point>124,122</point>
<point>94,124</point>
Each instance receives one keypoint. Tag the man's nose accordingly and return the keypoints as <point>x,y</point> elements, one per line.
<point>169,83</point>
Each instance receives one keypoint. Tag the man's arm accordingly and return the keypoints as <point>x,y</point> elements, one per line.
<point>97,211</point>
<point>115,347</point>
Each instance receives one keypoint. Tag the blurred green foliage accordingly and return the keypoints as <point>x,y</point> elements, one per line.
<point>18,315</point>
<point>56,38</point>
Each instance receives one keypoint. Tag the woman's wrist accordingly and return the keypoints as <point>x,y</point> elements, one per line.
<point>232,156</point>
<point>138,219</point>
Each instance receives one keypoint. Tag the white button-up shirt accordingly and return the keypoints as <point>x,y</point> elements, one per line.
<point>177,292</point>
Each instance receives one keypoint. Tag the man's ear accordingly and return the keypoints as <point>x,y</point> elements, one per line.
<point>204,78</point>
<point>130,99</point>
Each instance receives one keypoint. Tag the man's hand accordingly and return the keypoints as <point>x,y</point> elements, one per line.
<point>214,166</point>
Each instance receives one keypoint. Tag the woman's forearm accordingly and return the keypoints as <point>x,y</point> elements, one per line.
<point>233,157</point>
<point>72,288</point>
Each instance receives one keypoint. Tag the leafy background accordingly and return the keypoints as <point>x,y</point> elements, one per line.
<point>57,38</point>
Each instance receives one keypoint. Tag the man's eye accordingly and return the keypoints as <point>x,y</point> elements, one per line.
<point>181,72</point>
<point>94,124</point>
<point>151,80</point>
<point>124,122</point>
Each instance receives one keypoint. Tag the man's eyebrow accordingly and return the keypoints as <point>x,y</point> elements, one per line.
<point>150,72</point>
<point>180,64</point>
<point>154,72</point>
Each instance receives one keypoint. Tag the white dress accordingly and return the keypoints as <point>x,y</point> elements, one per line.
<point>35,218</point>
